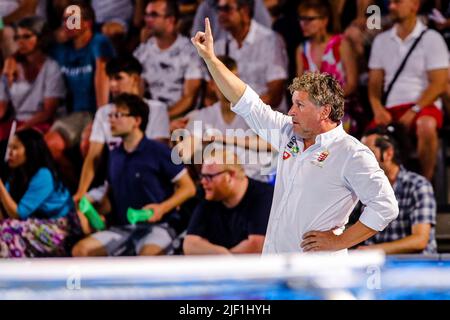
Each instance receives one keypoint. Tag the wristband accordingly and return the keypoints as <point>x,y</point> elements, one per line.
<point>416,108</point>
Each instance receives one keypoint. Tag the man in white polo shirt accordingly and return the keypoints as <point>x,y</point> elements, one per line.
<point>322,171</point>
<point>414,98</point>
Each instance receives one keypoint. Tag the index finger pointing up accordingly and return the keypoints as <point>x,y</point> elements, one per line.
<point>208,32</point>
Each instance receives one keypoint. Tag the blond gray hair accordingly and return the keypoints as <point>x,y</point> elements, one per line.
<point>323,89</point>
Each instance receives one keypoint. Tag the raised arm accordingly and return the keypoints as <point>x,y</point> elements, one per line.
<point>231,86</point>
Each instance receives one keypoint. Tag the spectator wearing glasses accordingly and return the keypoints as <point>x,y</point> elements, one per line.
<point>208,9</point>
<point>414,229</point>
<point>259,52</point>
<point>233,217</point>
<point>172,70</point>
<point>141,175</point>
<point>325,52</point>
<point>32,85</point>
<point>124,75</point>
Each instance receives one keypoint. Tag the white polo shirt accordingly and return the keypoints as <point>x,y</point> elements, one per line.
<point>317,189</point>
<point>261,59</point>
<point>388,52</point>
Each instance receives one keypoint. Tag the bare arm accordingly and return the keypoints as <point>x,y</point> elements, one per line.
<point>139,10</point>
<point>8,202</point>
<point>328,241</point>
<point>299,61</point>
<point>25,8</point>
<point>415,243</point>
<point>350,68</point>
<point>229,84</point>
<point>101,82</point>
<point>437,85</point>
<point>3,108</point>
<point>274,94</point>
<point>376,78</point>
<point>184,189</point>
<point>381,115</point>
<point>190,91</point>
<point>88,170</point>
<point>254,244</point>
<point>196,245</point>
<point>46,115</point>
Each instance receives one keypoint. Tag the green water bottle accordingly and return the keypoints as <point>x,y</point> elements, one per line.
<point>91,214</point>
<point>138,215</point>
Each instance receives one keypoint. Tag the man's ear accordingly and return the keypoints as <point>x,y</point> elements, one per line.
<point>389,154</point>
<point>138,121</point>
<point>325,113</point>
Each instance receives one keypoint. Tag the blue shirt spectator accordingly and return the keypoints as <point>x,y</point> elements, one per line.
<point>78,67</point>
<point>43,198</point>
<point>143,176</point>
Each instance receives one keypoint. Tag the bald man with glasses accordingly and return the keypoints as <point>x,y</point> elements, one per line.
<point>233,217</point>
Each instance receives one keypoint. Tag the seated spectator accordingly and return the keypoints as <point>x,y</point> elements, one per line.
<point>218,125</point>
<point>141,174</point>
<point>325,52</point>
<point>11,11</point>
<point>83,61</point>
<point>414,229</point>
<point>208,9</point>
<point>40,216</point>
<point>172,69</point>
<point>413,99</point>
<point>259,52</point>
<point>124,75</point>
<point>233,216</point>
<point>32,82</point>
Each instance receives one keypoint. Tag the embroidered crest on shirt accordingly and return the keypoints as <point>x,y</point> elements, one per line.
<point>291,149</point>
<point>320,158</point>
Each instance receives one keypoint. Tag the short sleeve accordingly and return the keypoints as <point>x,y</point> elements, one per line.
<point>376,53</point>
<point>98,133</point>
<point>277,59</point>
<point>40,187</point>
<point>198,222</point>
<point>54,82</point>
<point>167,167</point>
<point>194,66</point>
<point>158,124</point>
<point>436,52</point>
<point>102,47</point>
<point>424,204</point>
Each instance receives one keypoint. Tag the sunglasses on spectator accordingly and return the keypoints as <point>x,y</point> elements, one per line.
<point>118,115</point>
<point>310,18</point>
<point>226,8</point>
<point>154,15</point>
<point>23,37</point>
<point>209,177</point>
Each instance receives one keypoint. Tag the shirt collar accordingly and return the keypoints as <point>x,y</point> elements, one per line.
<point>413,35</point>
<point>402,175</point>
<point>139,147</point>
<point>329,136</point>
<point>251,35</point>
